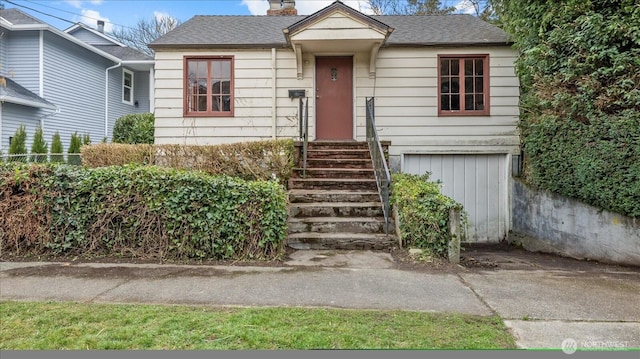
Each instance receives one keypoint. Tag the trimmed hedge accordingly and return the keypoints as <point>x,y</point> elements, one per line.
<point>139,211</point>
<point>423,212</point>
<point>257,160</point>
<point>597,162</point>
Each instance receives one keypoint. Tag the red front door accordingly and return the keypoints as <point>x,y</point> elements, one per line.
<point>334,98</point>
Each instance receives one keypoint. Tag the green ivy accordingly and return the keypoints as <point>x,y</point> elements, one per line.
<point>148,211</point>
<point>423,212</point>
<point>580,102</point>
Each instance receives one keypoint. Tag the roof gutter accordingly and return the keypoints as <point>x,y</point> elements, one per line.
<point>23,102</point>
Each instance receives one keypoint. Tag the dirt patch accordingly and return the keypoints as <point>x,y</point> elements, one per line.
<point>506,256</point>
<point>473,257</point>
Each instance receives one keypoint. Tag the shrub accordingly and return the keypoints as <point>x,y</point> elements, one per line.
<point>423,212</point>
<point>117,154</point>
<point>258,160</point>
<point>73,155</point>
<point>139,211</point>
<point>134,128</point>
<point>39,148</point>
<point>56,149</point>
<point>86,139</point>
<point>18,145</point>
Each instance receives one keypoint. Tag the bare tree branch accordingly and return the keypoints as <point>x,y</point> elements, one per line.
<point>145,32</point>
<point>409,7</point>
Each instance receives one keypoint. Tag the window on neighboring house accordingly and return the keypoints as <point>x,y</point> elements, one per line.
<point>463,85</point>
<point>127,86</point>
<point>208,86</point>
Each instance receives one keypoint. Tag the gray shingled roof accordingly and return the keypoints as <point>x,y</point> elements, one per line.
<point>260,31</point>
<point>13,91</point>
<point>17,17</point>
<point>124,53</point>
<point>459,29</point>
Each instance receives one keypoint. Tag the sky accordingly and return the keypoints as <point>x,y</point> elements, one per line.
<point>128,12</point>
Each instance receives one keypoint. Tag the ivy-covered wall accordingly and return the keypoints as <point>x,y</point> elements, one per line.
<point>579,68</point>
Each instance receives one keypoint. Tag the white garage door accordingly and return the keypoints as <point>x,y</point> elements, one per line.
<point>478,181</point>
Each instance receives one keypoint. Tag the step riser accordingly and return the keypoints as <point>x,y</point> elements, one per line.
<point>327,173</point>
<point>306,212</point>
<point>350,197</point>
<point>317,146</point>
<point>340,163</point>
<point>334,227</point>
<point>343,243</point>
<point>339,155</point>
<point>357,186</point>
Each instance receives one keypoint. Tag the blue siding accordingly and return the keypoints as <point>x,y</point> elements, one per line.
<point>90,38</point>
<point>141,91</point>
<point>15,115</point>
<point>117,108</point>
<point>4,43</point>
<point>74,81</point>
<point>23,59</point>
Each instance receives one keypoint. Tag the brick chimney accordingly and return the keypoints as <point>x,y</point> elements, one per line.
<point>282,7</point>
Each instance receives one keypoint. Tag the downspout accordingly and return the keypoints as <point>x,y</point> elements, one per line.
<point>274,99</point>
<point>57,111</point>
<point>106,98</point>
<point>152,91</point>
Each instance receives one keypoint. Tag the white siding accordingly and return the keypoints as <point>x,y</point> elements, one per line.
<point>406,95</point>
<point>479,182</point>
<point>253,99</point>
<point>406,101</point>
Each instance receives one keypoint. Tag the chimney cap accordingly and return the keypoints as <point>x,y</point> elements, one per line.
<point>282,7</point>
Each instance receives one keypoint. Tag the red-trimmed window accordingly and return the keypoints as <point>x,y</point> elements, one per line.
<point>463,85</point>
<point>208,86</point>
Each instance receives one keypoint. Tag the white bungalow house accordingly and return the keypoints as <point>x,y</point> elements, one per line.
<point>446,93</point>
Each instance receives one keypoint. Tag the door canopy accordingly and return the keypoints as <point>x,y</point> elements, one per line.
<point>335,29</point>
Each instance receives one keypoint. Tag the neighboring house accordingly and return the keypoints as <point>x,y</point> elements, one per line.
<point>446,93</point>
<point>58,80</point>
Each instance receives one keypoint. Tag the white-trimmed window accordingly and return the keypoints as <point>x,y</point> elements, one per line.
<point>127,86</point>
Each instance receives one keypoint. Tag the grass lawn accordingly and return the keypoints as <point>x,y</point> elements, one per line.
<point>27,325</point>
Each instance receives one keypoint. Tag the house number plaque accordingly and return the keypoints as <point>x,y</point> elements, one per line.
<point>334,74</point>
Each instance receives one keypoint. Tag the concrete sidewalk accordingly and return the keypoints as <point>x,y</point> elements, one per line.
<point>543,303</point>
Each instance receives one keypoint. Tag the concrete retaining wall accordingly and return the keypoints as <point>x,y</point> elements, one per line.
<point>555,224</point>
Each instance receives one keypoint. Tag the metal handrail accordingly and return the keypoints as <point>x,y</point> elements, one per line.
<point>381,169</point>
<point>304,135</point>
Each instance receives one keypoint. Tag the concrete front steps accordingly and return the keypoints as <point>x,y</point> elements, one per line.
<point>337,206</point>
